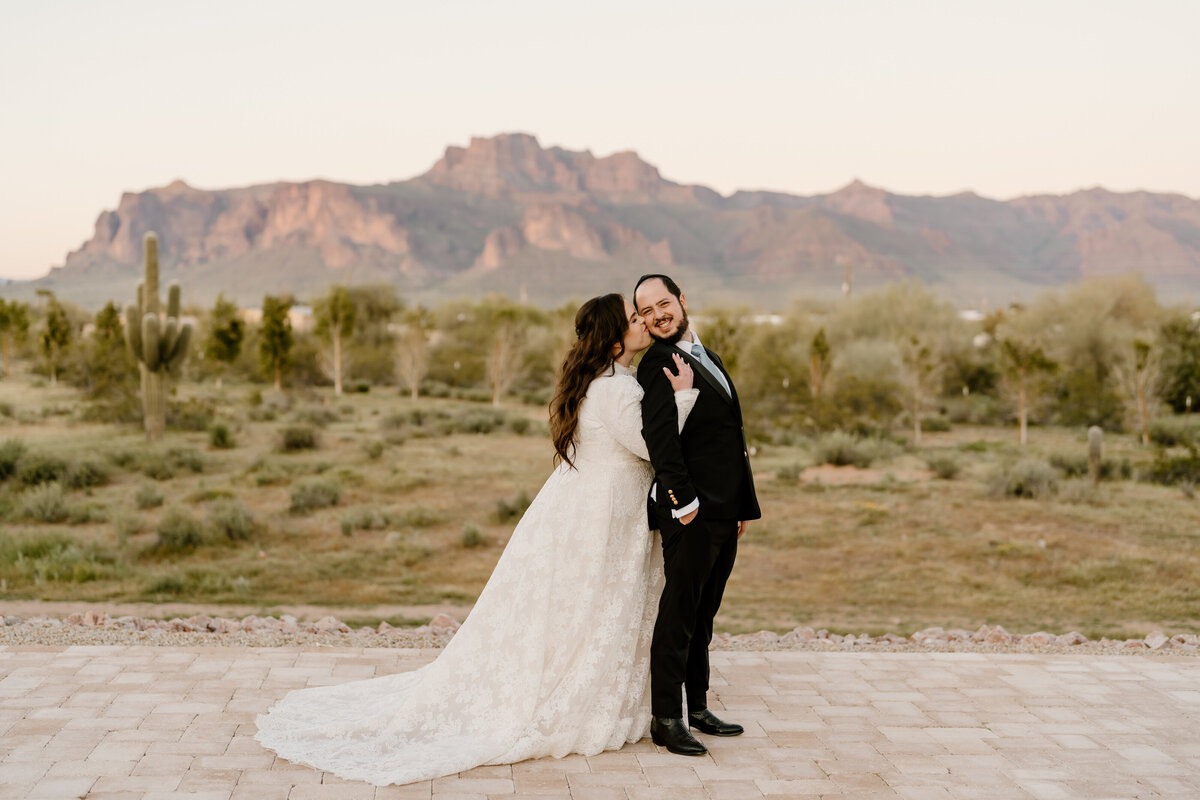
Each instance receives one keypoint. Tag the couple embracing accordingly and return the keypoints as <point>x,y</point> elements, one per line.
<point>587,635</point>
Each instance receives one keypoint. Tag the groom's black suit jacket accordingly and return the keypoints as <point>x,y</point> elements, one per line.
<point>709,459</point>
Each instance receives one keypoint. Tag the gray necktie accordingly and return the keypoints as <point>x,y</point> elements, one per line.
<point>700,355</point>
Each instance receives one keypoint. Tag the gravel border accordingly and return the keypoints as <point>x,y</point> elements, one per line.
<point>91,628</point>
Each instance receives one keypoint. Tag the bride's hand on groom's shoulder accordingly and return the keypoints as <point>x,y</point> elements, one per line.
<point>682,380</point>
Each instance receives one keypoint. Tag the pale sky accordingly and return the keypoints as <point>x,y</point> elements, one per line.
<point>1004,97</point>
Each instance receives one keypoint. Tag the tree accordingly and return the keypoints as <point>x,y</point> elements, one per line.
<point>920,364</point>
<point>226,331</point>
<point>106,370</point>
<point>412,349</point>
<point>335,319</point>
<point>1022,363</point>
<point>818,362</point>
<point>505,360</point>
<point>1138,374</point>
<point>56,335</point>
<point>14,326</point>
<point>275,337</point>
<point>1179,366</point>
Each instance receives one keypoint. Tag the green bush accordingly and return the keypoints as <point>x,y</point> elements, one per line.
<point>192,414</point>
<point>1176,431</point>
<point>297,437</point>
<point>220,437</point>
<point>54,556</point>
<point>1074,465</point>
<point>178,532</point>
<point>789,473</point>
<point>315,493</point>
<point>1030,477</point>
<point>471,537</point>
<point>373,449</point>
<point>86,473</point>
<point>125,525</point>
<point>148,496</point>
<point>315,417</point>
<point>361,518</point>
<point>938,424</point>
<point>35,468</point>
<point>841,449</point>
<point>231,520</point>
<point>1170,471</point>
<point>507,511</point>
<point>158,464</point>
<point>944,465</point>
<point>11,451</point>
<point>6,408</point>
<point>45,503</point>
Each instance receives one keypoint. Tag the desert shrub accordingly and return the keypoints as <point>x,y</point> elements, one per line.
<point>178,532</point>
<point>11,451</point>
<point>148,496</point>
<point>159,464</point>
<point>1030,477</point>
<point>415,517</point>
<point>231,520</point>
<point>315,493</point>
<point>840,449</point>
<point>262,414</point>
<point>1078,491</point>
<point>479,421</point>
<point>519,425</point>
<point>220,437</point>
<point>1178,431</point>
<point>373,449</point>
<point>297,437</point>
<point>471,537</point>
<point>186,458</point>
<point>938,424</point>
<point>126,524</point>
<point>361,518</point>
<point>944,465</point>
<point>508,510</point>
<point>789,473</point>
<point>975,409</point>
<point>1169,470</point>
<point>45,503</point>
<point>192,414</point>
<point>36,468</point>
<point>203,495</point>
<point>1074,465</point>
<point>315,417</point>
<point>255,398</point>
<point>54,556</point>
<point>6,408</point>
<point>86,473</point>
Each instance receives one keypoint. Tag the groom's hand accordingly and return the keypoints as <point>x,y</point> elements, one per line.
<point>742,527</point>
<point>688,517</point>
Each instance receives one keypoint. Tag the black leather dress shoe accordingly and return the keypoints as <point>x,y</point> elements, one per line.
<point>706,722</point>
<point>674,735</point>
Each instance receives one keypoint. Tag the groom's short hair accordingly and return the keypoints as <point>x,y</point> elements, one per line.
<point>671,285</point>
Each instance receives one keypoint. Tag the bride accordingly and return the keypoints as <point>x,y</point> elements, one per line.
<point>554,657</point>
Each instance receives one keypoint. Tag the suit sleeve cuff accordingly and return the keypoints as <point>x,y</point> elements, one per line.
<point>689,508</point>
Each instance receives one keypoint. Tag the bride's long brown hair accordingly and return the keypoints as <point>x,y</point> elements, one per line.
<point>599,324</point>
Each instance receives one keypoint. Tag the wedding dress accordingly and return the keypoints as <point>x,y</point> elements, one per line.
<point>554,657</point>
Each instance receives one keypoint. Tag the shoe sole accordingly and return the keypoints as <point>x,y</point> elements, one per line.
<point>714,733</point>
<point>654,738</point>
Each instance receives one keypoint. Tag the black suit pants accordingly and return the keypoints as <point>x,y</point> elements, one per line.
<point>697,558</point>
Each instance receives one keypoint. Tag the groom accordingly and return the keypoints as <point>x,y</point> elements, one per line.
<point>702,499</point>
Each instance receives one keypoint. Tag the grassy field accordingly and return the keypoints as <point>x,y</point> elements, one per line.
<point>408,504</point>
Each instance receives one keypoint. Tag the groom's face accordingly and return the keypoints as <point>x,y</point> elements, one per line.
<point>664,313</point>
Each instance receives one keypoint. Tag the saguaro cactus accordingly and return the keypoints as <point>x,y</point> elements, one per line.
<point>1095,453</point>
<point>159,344</point>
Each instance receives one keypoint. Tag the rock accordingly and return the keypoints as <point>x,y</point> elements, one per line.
<point>1071,639</point>
<point>384,627</point>
<point>201,622</point>
<point>75,619</point>
<point>331,625</point>
<point>288,624</point>
<point>181,626</point>
<point>1039,639</point>
<point>1134,644</point>
<point>443,625</point>
<point>998,635</point>
<point>800,634</point>
<point>1156,640</point>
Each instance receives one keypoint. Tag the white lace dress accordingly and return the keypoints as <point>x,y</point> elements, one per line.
<point>554,657</point>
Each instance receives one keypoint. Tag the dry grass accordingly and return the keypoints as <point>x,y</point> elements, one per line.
<point>890,548</point>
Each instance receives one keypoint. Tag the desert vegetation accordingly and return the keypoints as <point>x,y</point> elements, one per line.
<point>916,467</point>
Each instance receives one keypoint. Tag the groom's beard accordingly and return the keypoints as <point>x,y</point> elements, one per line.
<point>679,332</point>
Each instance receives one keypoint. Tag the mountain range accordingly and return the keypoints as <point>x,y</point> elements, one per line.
<point>506,214</point>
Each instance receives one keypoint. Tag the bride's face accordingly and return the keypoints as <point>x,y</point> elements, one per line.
<point>637,337</point>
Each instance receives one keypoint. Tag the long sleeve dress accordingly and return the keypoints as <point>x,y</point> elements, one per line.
<point>553,658</point>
